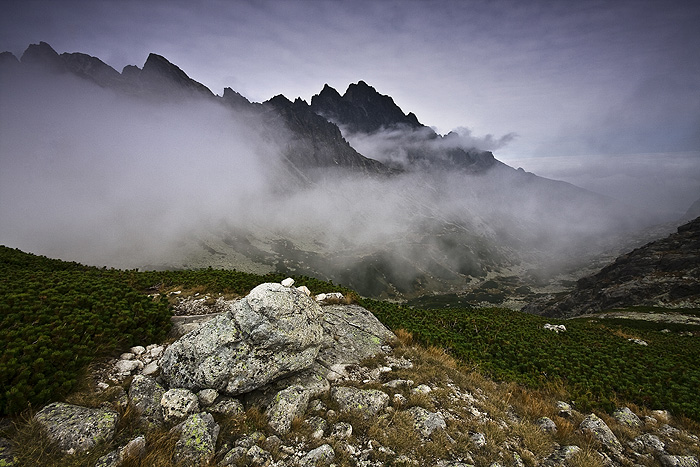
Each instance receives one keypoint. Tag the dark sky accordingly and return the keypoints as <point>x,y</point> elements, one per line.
<point>609,83</point>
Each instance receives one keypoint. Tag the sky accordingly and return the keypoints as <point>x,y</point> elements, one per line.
<point>569,88</point>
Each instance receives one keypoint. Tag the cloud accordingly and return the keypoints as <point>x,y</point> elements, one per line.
<point>105,178</point>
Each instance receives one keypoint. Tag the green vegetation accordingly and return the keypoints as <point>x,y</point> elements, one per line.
<point>593,359</point>
<point>57,316</point>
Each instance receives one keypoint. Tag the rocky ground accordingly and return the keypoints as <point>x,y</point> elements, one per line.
<point>326,385</point>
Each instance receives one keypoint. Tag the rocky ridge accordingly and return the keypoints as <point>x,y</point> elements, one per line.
<point>663,273</point>
<point>356,396</point>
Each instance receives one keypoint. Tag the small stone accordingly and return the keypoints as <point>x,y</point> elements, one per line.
<point>564,409</point>
<point>288,282</point>
<point>127,356</point>
<point>156,351</point>
<point>479,440</point>
<point>547,425</point>
<point>421,389</point>
<point>226,406</point>
<point>207,396</point>
<point>305,290</point>
<point>318,426</point>
<point>367,402</point>
<point>102,386</point>
<point>321,455</point>
<point>127,366</point>
<point>150,369</point>
<point>288,404</point>
<point>257,456</point>
<point>399,383</point>
<point>626,417</point>
<point>679,461</point>
<point>597,427</point>
<point>341,430</point>
<point>272,443</point>
<point>137,350</point>
<point>178,404</point>
<point>426,422</point>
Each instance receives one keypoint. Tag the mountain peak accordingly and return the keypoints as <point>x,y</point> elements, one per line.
<point>42,54</point>
<point>361,109</point>
<point>158,70</point>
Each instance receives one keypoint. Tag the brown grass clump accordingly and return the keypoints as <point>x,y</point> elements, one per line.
<point>403,337</point>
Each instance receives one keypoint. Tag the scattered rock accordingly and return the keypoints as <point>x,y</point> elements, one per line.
<point>595,426</point>
<point>197,442</point>
<point>224,405</point>
<point>625,416</point>
<point>177,404</point>
<point>145,395</point>
<point>547,425</point>
<point>288,282</point>
<point>560,455</point>
<point>288,404</point>
<point>479,440</point>
<point>207,397</point>
<point>679,461</point>
<point>426,422</point>
<point>555,327</point>
<point>321,455</point>
<point>367,402</point>
<point>74,428</point>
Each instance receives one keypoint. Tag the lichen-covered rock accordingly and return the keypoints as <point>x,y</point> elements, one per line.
<point>178,404</point>
<point>288,404</point>
<point>74,428</point>
<point>145,395</point>
<point>322,455</point>
<point>367,402</point>
<point>559,456</point>
<point>274,332</point>
<point>226,406</point>
<point>625,416</point>
<point>427,422</point>
<point>547,425</point>
<point>354,335</point>
<point>647,443</point>
<point>595,426</point>
<point>134,449</point>
<point>207,397</point>
<point>197,442</point>
<point>679,461</point>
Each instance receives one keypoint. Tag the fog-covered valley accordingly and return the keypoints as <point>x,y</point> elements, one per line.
<point>160,173</point>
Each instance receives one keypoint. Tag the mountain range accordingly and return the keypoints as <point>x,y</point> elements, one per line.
<point>348,188</point>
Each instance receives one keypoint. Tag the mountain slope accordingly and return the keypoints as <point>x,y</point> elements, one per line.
<point>662,273</point>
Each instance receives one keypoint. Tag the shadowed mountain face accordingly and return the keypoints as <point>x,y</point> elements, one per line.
<point>663,273</point>
<point>148,168</point>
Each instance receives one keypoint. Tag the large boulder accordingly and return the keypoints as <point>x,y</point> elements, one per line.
<point>273,332</point>
<point>353,334</point>
<point>74,428</point>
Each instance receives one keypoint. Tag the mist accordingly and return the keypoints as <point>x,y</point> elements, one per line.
<point>110,179</point>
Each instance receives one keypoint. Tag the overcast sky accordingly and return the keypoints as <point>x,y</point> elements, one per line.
<point>598,81</point>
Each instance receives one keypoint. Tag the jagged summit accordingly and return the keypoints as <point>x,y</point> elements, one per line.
<point>361,109</point>
<point>42,54</point>
<point>158,71</point>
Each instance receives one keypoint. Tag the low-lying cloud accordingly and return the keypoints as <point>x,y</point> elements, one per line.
<point>105,178</point>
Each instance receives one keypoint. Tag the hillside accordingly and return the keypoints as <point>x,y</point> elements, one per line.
<point>462,385</point>
<point>664,273</point>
